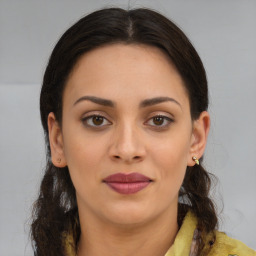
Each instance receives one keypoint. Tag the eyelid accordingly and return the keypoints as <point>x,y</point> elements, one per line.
<point>95,113</point>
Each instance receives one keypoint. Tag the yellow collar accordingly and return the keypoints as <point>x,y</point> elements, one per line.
<point>183,241</point>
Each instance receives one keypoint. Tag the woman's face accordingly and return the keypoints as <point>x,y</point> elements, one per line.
<point>125,111</point>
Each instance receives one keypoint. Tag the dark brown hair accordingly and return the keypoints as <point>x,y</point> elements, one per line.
<point>55,210</point>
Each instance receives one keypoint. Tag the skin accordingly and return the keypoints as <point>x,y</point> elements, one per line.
<point>128,139</point>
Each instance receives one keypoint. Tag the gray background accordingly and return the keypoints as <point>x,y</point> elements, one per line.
<point>223,32</point>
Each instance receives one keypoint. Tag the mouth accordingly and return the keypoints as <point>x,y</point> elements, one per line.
<point>127,183</point>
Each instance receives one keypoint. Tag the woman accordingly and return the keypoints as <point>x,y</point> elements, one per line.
<point>124,109</point>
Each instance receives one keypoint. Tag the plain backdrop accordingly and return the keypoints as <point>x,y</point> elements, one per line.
<point>223,32</point>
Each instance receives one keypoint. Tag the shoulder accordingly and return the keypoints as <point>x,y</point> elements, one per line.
<point>227,246</point>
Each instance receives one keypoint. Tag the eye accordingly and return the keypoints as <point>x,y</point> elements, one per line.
<point>160,121</point>
<point>95,121</point>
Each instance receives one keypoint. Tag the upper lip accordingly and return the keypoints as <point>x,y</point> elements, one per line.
<point>127,178</point>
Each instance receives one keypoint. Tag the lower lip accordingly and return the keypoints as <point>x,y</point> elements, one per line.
<point>128,188</point>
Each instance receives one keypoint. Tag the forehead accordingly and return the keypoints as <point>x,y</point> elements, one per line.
<point>122,53</point>
<point>125,70</point>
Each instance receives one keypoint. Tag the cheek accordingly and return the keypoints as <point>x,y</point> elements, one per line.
<point>84,161</point>
<point>83,155</point>
<point>170,157</point>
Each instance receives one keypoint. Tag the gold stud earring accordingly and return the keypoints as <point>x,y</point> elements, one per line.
<point>195,160</point>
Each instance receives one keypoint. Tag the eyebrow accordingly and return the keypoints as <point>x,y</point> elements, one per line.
<point>157,100</point>
<point>143,104</point>
<point>97,100</point>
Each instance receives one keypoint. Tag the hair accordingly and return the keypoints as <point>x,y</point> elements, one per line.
<point>55,211</point>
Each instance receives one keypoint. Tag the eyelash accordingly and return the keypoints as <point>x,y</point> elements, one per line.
<point>166,119</point>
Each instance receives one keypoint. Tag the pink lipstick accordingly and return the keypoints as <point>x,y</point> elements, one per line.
<point>127,183</point>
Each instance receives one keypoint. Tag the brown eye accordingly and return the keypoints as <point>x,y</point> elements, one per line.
<point>158,120</point>
<point>95,121</point>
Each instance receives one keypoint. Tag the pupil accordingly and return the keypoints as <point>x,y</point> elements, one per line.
<point>158,120</point>
<point>97,120</point>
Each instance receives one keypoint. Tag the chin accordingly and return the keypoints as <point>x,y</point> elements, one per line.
<point>128,215</point>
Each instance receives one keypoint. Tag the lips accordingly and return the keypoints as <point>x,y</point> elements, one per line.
<point>127,183</point>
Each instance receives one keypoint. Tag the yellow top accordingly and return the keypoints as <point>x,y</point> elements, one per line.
<point>185,242</point>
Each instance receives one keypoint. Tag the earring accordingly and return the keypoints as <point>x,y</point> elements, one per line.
<point>195,160</point>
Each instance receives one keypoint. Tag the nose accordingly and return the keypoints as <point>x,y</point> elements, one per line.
<point>127,145</point>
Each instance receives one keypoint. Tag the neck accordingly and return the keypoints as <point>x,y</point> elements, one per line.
<point>152,238</point>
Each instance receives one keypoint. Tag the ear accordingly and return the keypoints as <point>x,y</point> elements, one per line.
<point>56,142</point>
<point>201,128</point>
